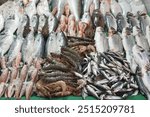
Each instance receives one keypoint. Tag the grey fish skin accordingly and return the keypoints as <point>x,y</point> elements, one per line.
<point>140,38</point>
<point>39,42</point>
<point>92,91</point>
<point>148,34</point>
<point>52,23</point>
<point>126,7</point>
<point>144,20</point>
<point>105,7</point>
<point>96,4</point>
<point>87,4</point>
<point>43,8</point>
<point>60,8</point>
<point>141,56</point>
<point>110,21</point>
<point>1,22</point>
<point>75,7</point>
<point>121,22</point>
<point>101,42</point>
<point>115,7</point>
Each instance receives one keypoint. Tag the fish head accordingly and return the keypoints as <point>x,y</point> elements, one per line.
<point>42,22</point>
<point>99,30</point>
<point>126,31</point>
<point>34,21</point>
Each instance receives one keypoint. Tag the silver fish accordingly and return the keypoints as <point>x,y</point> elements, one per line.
<point>141,56</point>
<point>105,7</point>
<point>121,22</point>
<point>115,7</point>
<point>39,39</point>
<point>126,7</point>
<point>140,38</point>
<point>110,21</point>
<point>43,8</point>
<point>1,22</point>
<point>60,8</point>
<point>91,91</point>
<point>28,43</point>
<point>96,4</point>
<point>148,34</point>
<point>52,23</point>
<point>101,42</point>
<point>144,21</point>
<point>75,7</point>
<point>115,43</point>
<point>30,9</point>
<point>128,42</point>
<point>87,4</point>
<point>136,6</point>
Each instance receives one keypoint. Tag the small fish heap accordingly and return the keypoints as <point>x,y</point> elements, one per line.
<point>54,48</point>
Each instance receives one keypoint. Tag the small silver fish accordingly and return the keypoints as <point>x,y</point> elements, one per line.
<point>1,22</point>
<point>148,33</point>
<point>60,8</point>
<point>52,23</point>
<point>105,7</point>
<point>87,4</point>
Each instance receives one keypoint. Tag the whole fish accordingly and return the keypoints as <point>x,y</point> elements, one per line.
<point>1,22</point>
<point>28,43</point>
<point>104,7</point>
<point>140,38</point>
<point>15,48</point>
<point>101,42</point>
<point>43,8</point>
<point>75,7</point>
<point>126,7</point>
<point>39,39</point>
<point>52,23</point>
<point>121,22</point>
<point>115,7</point>
<point>115,41</point>
<point>144,20</point>
<point>128,42</point>
<point>110,21</point>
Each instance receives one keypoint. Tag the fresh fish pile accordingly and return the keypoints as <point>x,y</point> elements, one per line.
<point>55,48</point>
<point>108,76</point>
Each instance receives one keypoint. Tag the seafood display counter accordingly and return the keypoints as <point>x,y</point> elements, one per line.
<point>74,50</point>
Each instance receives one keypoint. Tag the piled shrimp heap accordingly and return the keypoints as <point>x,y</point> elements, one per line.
<point>54,48</point>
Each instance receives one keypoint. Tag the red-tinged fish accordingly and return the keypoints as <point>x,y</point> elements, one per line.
<point>30,85</point>
<point>20,81</point>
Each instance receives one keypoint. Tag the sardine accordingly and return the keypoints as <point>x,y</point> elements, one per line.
<point>101,42</point>
<point>91,91</point>
<point>75,7</point>
<point>96,4</point>
<point>115,7</point>
<point>148,34</point>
